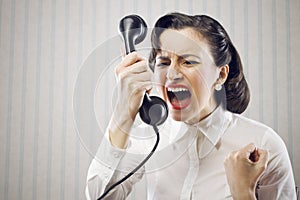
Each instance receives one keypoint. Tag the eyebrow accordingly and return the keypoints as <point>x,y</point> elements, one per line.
<point>180,56</point>
<point>189,55</point>
<point>163,57</point>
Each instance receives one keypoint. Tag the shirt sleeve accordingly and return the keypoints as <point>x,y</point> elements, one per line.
<point>109,166</point>
<point>277,182</point>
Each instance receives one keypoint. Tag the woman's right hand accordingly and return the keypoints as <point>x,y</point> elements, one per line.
<point>134,79</point>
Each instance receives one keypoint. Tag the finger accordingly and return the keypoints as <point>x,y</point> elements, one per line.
<point>261,164</point>
<point>230,156</point>
<point>135,69</point>
<point>129,60</point>
<point>122,50</point>
<point>144,85</point>
<point>141,87</point>
<point>139,67</point>
<point>143,77</point>
<point>126,61</point>
<point>263,156</point>
<point>248,149</point>
<point>137,82</point>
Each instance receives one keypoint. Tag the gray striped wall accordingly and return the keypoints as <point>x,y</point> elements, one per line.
<point>44,154</point>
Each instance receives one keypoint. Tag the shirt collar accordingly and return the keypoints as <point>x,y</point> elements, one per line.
<point>214,125</point>
<point>212,128</point>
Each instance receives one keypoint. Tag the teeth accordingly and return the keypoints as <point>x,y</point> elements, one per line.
<point>177,89</point>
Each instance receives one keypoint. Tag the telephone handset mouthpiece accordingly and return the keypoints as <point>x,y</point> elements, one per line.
<point>133,29</point>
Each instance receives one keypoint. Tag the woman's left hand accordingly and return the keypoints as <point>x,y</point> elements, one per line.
<point>243,169</point>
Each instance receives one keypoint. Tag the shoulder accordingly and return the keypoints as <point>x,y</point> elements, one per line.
<point>250,126</point>
<point>254,131</point>
<point>240,121</point>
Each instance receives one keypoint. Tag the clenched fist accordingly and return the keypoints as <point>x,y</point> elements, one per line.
<point>243,169</point>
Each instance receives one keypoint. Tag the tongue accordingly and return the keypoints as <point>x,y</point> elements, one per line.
<point>180,103</point>
<point>182,95</point>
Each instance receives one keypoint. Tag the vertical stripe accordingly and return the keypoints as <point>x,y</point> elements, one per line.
<point>149,11</point>
<point>246,45</point>
<point>37,102</point>
<point>122,7</point>
<point>0,21</point>
<point>176,4</point>
<point>232,20</point>
<point>260,63</point>
<point>162,6</point>
<point>91,114</point>
<point>204,6</point>
<point>51,94</point>
<point>190,6</point>
<point>9,102</point>
<point>289,80</point>
<point>107,24</point>
<point>65,100</point>
<point>218,8</point>
<point>274,52</point>
<point>23,96</point>
<point>246,37</point>
<point>106,80</point>
<point>94,23</point>
<point>135,6</point>
<point>79,56</point>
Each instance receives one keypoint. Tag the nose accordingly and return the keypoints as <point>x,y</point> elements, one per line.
<point>174,73</point>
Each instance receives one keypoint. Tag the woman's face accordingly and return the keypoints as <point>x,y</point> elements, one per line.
<point>186,75</point>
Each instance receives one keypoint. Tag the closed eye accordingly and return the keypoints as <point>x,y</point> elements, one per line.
<point>191,62</point>
<point>162,64</point>
<point>163,61</point>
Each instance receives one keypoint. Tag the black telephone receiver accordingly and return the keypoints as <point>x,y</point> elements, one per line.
<point>133,29</point>
<point>154,110</point>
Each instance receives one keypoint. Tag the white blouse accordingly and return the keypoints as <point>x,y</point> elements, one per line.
<point>188,163</point>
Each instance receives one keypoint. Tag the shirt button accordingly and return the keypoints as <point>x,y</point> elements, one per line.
<point>116,154</point>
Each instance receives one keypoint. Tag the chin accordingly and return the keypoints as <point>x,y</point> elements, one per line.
<point>179,115</point>
<point>176,118</point>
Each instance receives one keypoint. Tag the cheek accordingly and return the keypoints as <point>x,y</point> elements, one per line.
<point>206,78</point>
<point>159,79</point>
<point>201,89</point>
<point>201,85</point>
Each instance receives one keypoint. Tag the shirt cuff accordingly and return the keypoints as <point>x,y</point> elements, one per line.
<point>106,160</point>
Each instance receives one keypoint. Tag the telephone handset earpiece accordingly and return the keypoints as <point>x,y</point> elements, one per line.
<point>133,29</point>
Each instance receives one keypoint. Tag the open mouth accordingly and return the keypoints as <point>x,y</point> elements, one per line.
<point>179,96</point>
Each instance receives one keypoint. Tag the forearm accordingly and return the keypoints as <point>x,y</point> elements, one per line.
<point>118,138</point>
<point>119,129</point>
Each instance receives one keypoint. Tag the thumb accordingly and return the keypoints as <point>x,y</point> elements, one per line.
<point>248,149</point>
<point>261,164</point>
<point>263,157</point>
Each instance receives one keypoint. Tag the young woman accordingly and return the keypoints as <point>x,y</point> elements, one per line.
<point>208,150</point>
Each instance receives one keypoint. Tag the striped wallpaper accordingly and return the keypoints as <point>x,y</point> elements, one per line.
<point>52,54</point>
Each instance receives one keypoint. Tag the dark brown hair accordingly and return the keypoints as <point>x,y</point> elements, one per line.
<point>221,48</point>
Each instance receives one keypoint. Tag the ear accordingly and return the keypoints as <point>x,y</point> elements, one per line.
<point>224,71</point>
